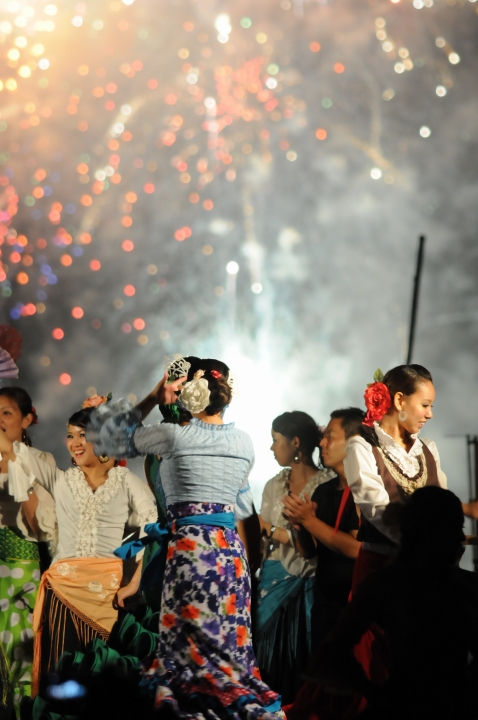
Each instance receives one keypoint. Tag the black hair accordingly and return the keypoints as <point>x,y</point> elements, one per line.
<point>428,508</point>
<point>24,403</point>
<point>351,420</point>
<point>221,392</point>
<point>406,379</point>
<point>301,425</point>
<point>81,417</point>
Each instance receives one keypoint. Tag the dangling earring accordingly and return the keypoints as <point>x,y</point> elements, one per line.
<point>103,458</point>
<point>402,416</point>
<point>296,457</point>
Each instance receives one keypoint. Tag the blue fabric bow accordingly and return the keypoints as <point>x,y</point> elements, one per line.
<point>155,532</point>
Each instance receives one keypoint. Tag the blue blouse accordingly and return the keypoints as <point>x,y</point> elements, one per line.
<point>201,462</point>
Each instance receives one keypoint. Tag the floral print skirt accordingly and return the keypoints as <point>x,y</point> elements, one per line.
<point>204,667</point>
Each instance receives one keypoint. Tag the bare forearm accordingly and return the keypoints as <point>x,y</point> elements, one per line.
<point>281,535</point>
<point>29,509</point>
<point>146,405</point>
<point>340,542</point>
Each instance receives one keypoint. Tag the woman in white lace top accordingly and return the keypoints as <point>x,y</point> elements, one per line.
<point>22,525</point>
<point>95,499</point>
<point>286,588</point>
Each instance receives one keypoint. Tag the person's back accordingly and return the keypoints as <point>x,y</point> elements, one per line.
<point>430,625</point>
<point>426,608</point>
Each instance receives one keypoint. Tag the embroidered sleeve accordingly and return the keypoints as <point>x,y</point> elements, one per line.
<point>442,479</point>
<point>367,487</point>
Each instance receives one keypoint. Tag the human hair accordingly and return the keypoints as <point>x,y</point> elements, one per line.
<point>351,419</point>
<point>81,417</point>
<point>217,374</point>
<point>24,403</point>
<point>406,379</point>
<point>428,508</point>
<point>299,424</point>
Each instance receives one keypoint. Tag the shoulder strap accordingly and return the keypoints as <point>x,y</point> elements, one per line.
<point>345,496</point>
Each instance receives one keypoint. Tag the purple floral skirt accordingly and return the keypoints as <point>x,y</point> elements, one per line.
<point>205,666</point>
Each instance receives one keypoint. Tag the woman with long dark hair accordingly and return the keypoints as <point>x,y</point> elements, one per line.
<point>94,499</point>
<point>22,525</point>
<point>286,587</point>
<point>204,662</point>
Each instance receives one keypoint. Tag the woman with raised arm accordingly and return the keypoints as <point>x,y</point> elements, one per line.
<point>283,630</point>
<point>94,500</point>
<point>204,661</point>
<point>22,525</point>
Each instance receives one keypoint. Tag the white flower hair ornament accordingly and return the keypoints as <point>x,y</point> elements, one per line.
<point>195,394</point>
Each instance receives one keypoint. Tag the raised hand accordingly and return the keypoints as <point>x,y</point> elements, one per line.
<point>166,393</point>
<point>298,511</point>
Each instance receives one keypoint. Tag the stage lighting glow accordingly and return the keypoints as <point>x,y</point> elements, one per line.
<point>425,131</point>
<point>454,58</point>
<point>256,288</point>
<point>375,173</point>
<point>440,90</point>
<point>232,267</point>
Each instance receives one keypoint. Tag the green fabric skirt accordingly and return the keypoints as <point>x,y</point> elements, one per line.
<point>19,582</point>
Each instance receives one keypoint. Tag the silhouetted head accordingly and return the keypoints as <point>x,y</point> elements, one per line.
<point>431,525</point>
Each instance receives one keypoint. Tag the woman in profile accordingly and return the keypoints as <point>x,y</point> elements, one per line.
<point>204,661</point>
<point>286,586</point>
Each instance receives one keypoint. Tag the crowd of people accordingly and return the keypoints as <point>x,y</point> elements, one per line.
<point>341,598</point>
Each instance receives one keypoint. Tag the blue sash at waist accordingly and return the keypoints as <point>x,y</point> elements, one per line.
<point>156,532</point>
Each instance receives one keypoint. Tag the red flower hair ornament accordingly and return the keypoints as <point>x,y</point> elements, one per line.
<point>216,374</point>
<point>377,400</point>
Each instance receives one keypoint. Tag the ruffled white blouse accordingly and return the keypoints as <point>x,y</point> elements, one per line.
<point>365,482</point>
<point>11,513</point>
<point>90,523</point>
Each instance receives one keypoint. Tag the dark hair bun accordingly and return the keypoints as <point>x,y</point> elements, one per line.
<point>216,373</point>
<point>406,379</point>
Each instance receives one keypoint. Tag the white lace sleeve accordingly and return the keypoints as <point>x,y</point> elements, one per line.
<point>46,512</point>
<point>25,469</point>
<point>367,487</point>
<point>142,504</point>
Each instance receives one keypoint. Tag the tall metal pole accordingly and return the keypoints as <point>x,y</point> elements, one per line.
<point>416,292</point>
